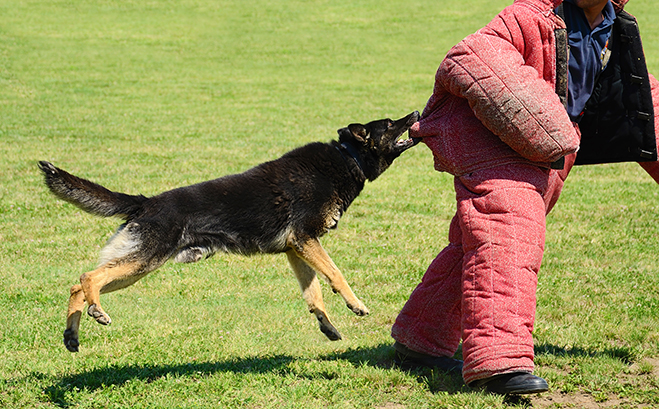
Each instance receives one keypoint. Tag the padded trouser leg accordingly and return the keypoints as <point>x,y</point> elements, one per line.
<point>502,215</point>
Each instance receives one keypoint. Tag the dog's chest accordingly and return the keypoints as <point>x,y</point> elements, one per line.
<point>332,215</point>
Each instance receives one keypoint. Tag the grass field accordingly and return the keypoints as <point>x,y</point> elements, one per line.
<point>144,96</point>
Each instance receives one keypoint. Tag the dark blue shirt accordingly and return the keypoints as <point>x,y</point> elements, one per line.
<point>589,54</point>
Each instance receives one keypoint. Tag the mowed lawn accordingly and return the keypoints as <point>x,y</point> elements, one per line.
<point>144,96</point>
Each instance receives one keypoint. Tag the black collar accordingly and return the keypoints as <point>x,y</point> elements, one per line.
<point>353,154</point>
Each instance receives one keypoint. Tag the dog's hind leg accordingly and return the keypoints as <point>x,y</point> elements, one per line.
<point>316,257</point>
<point>107,278</point>
<point>312,294</point>
<point>135,250</point>
<point>76,304</point>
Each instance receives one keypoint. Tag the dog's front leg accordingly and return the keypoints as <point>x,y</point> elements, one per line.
<point>312,294</point>
<point>315,256</point>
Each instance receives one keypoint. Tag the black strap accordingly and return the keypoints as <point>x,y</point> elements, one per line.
<point>561,70</point>
<point>350,152</point>
<point>560,11</point>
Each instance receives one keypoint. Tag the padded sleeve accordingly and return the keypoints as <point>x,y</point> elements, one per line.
<point>509,97</point>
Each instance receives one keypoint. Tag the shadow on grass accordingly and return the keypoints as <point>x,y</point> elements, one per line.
<point>118,375</point>
<point>624,354</point>
<point>380,356</point>
<point>61,390</point>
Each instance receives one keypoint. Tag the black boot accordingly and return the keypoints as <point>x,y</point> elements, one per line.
<point>516,383</point>
<point>407,359</point>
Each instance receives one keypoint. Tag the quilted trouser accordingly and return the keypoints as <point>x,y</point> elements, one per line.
<point>481,288</point>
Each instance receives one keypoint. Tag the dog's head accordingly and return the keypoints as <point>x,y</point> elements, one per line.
<point>377,144</point>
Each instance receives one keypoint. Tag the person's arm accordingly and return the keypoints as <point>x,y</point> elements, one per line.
<point>653,167</point>
<point>654,86</point>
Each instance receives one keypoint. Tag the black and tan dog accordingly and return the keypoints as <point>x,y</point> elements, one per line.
<point>282,206</point>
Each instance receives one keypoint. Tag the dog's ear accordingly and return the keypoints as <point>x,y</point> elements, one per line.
<point>354,131</point>
<point>344,133</point>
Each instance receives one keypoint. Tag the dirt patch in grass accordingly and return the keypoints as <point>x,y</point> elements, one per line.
<point>571,400</point>
<point>638,375</point>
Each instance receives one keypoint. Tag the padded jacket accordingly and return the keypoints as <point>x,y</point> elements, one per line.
<point>499,94</point>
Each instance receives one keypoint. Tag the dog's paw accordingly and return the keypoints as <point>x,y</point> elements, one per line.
<point>328,329</point>
<point>191,255</point>
<point>359,309</point>
<point>71,341</point>
<point>99,315</point>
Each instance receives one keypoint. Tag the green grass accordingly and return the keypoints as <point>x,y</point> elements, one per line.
<point>143,96</point>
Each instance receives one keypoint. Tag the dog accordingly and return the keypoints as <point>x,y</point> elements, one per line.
<point>281,206</point>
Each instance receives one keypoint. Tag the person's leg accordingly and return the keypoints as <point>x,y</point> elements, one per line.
<point>653,167</point>
<point>431,319</point>
<point>429,322</point>
<point>502,218</point>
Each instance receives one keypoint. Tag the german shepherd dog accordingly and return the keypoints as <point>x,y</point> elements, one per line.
<point>282,206</point>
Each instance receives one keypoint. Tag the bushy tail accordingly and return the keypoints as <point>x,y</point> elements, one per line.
<point>89,196</point>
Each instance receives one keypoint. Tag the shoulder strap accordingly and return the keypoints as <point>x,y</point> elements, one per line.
<point>560,11</point>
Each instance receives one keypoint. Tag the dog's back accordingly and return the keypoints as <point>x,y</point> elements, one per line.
<point>304,193</point>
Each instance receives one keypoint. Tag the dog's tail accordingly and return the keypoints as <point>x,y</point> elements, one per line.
<point>89,196</point>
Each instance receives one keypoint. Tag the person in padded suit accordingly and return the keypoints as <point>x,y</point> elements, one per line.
<point>508,112</point>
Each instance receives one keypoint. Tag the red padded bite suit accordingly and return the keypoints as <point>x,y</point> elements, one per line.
<point>496,123</point>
